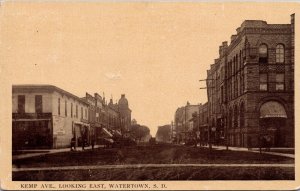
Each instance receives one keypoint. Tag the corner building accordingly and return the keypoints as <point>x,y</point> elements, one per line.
<point>45,116</point>
<point>250,86</point>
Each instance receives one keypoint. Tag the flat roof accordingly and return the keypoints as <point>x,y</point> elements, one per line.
<point>47,87</point>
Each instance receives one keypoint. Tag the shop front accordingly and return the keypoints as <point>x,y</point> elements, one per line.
<point>272,123</point>
<point>31,131</point>
<point>82,133</point>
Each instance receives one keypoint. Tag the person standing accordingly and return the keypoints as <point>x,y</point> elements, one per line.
<point>73,144</point>
<point>249,143</point>
<point>93,142</point>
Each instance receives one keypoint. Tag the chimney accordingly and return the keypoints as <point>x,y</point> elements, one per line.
<point>224,44</point>
<point>233,37</point>
<point>220,50</point>
<point>216,61</point>
<point>123,96</point>
<point>293,18</point>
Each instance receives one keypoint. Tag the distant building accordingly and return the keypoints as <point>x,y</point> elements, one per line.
<point>125,113</point>
<point>113,118</point>
<point>251,86</point>
<point>97,115</point>
<point>163,134</point>
<point>45,116</point>
<point>133,122</point>
<point>183,121</point>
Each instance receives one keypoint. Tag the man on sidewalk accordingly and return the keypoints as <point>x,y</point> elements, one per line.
<point>73,144</point>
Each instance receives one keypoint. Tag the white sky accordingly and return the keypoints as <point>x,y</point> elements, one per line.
<point>155,53</point>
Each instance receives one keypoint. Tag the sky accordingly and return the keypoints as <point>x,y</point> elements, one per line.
<point>154,53</point>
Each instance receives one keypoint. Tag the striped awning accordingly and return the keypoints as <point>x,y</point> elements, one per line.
<point>272,109</point>
<point>107,132</point>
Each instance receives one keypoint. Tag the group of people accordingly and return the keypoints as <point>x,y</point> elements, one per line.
<point>265,142</point>
<point>82,141</point>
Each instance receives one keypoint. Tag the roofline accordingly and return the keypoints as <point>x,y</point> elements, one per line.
<point>50,87</point>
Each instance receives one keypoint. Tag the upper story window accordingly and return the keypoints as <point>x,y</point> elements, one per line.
<point>76,111</point>
<point>38,104</point>
<point>279,53</point>
<point>21,103</point>
<point>263,82</point>
<point>81,112</point>
<point>263,53</point>
<point>71,109</point>
<point>58,106</point>
<point>66,108</point>
<point>280,82</point>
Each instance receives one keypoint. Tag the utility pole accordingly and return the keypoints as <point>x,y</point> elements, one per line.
<point>198,138</point>
<point>185,129</point>
<point>208,109</point>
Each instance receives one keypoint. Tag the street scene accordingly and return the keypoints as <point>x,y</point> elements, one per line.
<point>230,119</point>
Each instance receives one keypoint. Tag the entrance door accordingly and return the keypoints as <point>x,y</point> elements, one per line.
<point>272,121</point>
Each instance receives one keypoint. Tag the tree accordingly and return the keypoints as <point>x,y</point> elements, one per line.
<point>139,131</point>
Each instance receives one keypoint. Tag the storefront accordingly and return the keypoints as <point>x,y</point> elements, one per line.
<point>273,122</point>
<point>82,133</point>
<point>31,131</point>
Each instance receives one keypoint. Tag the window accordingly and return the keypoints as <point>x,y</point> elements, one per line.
<point>279,53</point>
<point>81,113</point>
<point>38,104</point>
<point>263,53</point>
<point>242,116</point>
<point>279,82</point>
<point>66,108</point>
<point>71,109</point>
<point>242,83</point>
<point>58,106</point>
<point>76,111</point>
<point>263,82</point>
<point>21,103</point>
<point>235,120</point>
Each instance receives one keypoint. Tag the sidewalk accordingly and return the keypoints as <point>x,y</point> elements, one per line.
<point>256,150</point>
<point>93,167</point>
<point>49,151</point>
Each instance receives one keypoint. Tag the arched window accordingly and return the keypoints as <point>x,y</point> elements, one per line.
<point>235,118</point>
<point>242,116</point>
<point>279,53</point>
<point>230,119</point>
<point>263,53</point>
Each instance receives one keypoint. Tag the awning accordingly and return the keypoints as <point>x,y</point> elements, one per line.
<point>81,123</point>
<point>272,109</point>
<point>118,132</point>
<point>109,140</point>
<point>31,119</point>
<point>107,132</point>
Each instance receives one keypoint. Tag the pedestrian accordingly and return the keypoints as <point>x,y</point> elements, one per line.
<point>83,143</point>
<point>93,142</point>
<point>249,143</point>
<point>268,143</point>
<point>73,144</point>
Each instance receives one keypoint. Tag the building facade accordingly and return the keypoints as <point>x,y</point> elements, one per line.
<point>183,123</point>
<point>250,86</point>
<point>125,113</point>
<point>45,116</point>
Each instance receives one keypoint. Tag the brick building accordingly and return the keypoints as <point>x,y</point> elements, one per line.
<point>250,86</point>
